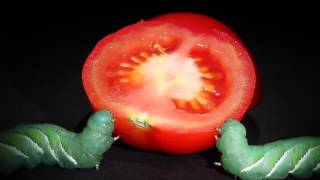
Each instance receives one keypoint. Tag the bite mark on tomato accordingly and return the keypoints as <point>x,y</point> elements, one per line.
<point>141,120</point>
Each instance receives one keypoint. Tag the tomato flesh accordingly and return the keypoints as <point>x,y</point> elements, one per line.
<point>169,85</point>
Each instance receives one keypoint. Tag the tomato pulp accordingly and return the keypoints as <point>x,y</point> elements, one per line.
<point>171,81</point>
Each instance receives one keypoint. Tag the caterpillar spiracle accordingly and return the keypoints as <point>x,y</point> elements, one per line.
<point>30,145</point>
<point>299,157</point>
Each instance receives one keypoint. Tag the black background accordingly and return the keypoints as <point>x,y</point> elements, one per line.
<point>43,50</point>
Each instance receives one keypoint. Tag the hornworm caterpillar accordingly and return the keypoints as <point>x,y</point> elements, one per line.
<point>299,157</point>
<point>30,145</point>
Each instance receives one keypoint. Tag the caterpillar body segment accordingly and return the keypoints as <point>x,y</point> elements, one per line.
<point>34,144</point>
<point>299,157</point>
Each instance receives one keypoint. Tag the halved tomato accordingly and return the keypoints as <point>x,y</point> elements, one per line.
<point>171,81</point>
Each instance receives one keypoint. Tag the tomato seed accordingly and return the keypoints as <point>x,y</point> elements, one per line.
<point>136,60</point>
<point>208,87</point>
<point>126,65</point>
<point>181,103</point>
<point>204,69</point>
<point>207,75</point>
<point>202,100</point>
<point>194,104</point>
<point>160,49</point>
<point>122,73</point>
<point>145,54</point>
<point>124,80</point>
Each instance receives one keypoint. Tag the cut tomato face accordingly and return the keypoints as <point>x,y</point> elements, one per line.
<point>170,81</point>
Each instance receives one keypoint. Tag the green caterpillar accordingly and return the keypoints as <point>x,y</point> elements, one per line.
<point>299,157</point>
<point>30,145</point>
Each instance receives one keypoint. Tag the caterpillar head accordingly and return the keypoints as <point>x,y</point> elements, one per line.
<point>234,127</point>
<point>96,137</point>
<point>233,134</point>
<point>102,122</point>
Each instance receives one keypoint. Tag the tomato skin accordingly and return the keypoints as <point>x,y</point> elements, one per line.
<point>257,92</point>
<point>204,24</point>
<point>168,137</point>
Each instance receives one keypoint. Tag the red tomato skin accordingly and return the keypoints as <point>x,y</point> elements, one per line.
<point>257,97</point>
<point>204,24</point>
<point>160,138</point>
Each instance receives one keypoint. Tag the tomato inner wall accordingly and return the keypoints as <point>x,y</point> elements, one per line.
<point>141,98</point>
<point>146,94</point>
<point>211,61</point>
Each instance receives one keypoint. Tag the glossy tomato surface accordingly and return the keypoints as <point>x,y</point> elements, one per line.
<point>171,81</point>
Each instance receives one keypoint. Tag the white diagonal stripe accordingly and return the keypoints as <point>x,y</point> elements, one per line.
<point>34,144</point>
<point>278,163</point>
<point>51,151</point>
<point>305,156</point>
<point>71,159</point>
<point>14,149</point>
<point>317,167</point>
<point>248,168</point>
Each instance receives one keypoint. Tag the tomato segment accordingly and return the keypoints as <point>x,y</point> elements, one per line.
<point>170,85</point>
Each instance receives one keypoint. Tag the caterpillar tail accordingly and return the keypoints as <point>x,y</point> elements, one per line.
<point>299,157</point>
<point>34,144</point>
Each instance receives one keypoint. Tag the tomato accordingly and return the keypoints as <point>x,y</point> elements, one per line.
<point>171,81</point>
<point>257,93</point>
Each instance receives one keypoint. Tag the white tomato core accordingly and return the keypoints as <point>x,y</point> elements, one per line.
<point>173,75</point>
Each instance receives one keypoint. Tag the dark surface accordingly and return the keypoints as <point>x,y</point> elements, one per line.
<point>42,58</point>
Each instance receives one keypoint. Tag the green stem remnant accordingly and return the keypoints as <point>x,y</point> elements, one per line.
<point>30,145</point>
<point>299,157</point>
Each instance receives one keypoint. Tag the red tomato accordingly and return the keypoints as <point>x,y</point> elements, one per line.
<point>257,93</point>
<point>171,81</point>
